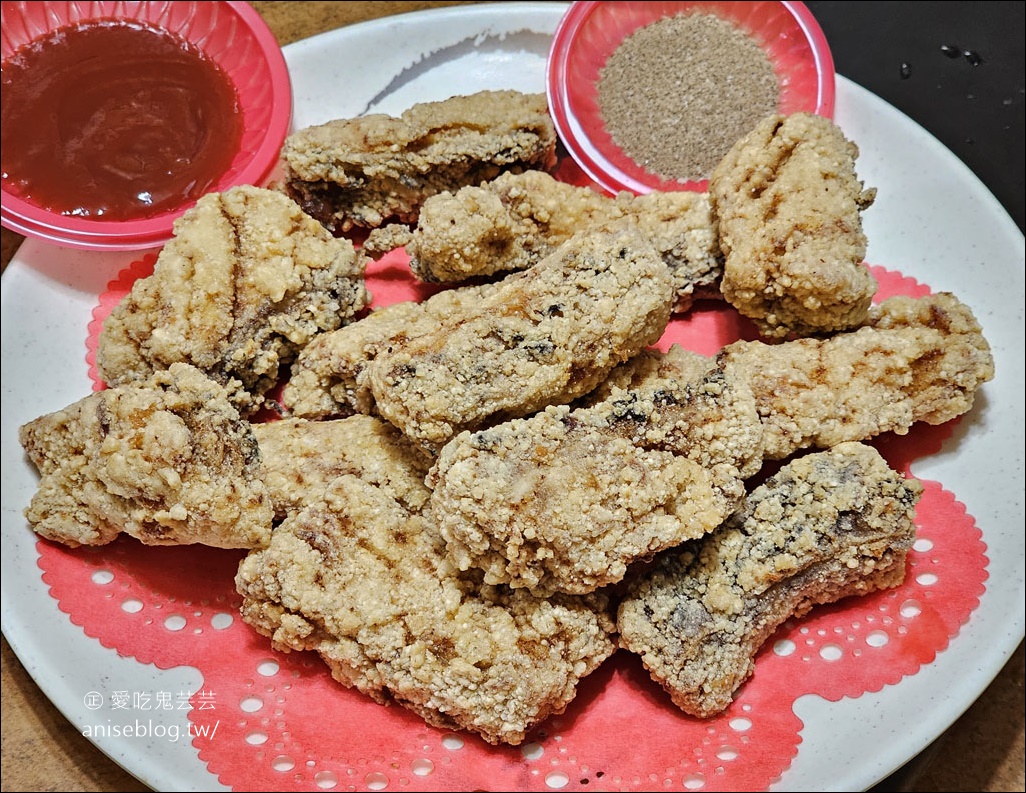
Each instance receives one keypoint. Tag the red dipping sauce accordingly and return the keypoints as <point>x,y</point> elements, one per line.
<point>115,120</point>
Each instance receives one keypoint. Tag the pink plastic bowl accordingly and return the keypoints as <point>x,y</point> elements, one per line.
<point>235,36</point>
<point>591,31</point>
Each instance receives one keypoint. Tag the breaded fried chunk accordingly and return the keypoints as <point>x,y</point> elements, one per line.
<point>827,526</point>
<point>246,281</point>
<point>301,458</point>
<point>515,220</point>
<point>327,377</point>
<point>361,172</point>
<point>954,358</point>
<point>788,204</point>
<point>365,583</point>
<point>546,336</point>
<point>542,336</point>
<point>167,460</point>
<point>566,500</point>
<point>917,359</point>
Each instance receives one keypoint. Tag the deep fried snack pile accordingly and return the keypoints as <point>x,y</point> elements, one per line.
<point>168,461</point>
<point>543,336</point>
<point>516,220</point>
<point>361,576</point>
<point>462,489</point>
<point>565,500</point>
<point>362,172</point>
<point>827,526</point>
<point>789,208</point>
<point>247,280</point>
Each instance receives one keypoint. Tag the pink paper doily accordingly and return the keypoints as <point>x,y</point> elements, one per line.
<point>281,723</point>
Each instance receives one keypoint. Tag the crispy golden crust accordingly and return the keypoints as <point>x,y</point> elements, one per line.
<point>168,461</point>
<point>515,220</point>
<point>506,224</point>
<point>328,376</point>
<point>953,359</point>
<point>647,367</point>
<point>545,336</point>
<point>361,172</point>
<point>301,457</point>
<point>245,283</point>
<point>472,358</point>
<point>917,359</point>
<point>788,205</point>
<point>367,585</point>
<point>683,229</point>
<point>826,526</point>
<point>566,500</point>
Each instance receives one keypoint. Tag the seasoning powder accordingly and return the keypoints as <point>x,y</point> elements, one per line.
<point>679,92</point>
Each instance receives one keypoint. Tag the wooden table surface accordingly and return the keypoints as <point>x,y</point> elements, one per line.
<point>42,751</point>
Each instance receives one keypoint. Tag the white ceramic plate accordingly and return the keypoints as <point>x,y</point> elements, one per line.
<point>933,220</point>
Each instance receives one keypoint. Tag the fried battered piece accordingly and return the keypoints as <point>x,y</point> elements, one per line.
<point>827,526</point>
<point>327,377</point>
<point>563,501</point>
<point>361,172</point>
<point>917,359</point>
<point>789,206</point>
<point>515,220</point>
<point>366,584</point>
<point>168,461</point>
<point>245,283</point>
<point>948,375</point>
<point>566,500</point>
<point>301,458</point>
<point>543,336</point>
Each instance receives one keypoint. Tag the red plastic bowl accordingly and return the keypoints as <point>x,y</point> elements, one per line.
<point>235,36</point>
<point>591,31</point>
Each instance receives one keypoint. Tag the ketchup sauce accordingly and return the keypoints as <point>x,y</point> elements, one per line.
<point>115,120</point>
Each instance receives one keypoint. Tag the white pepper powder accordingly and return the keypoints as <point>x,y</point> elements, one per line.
<point>679,92</point>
